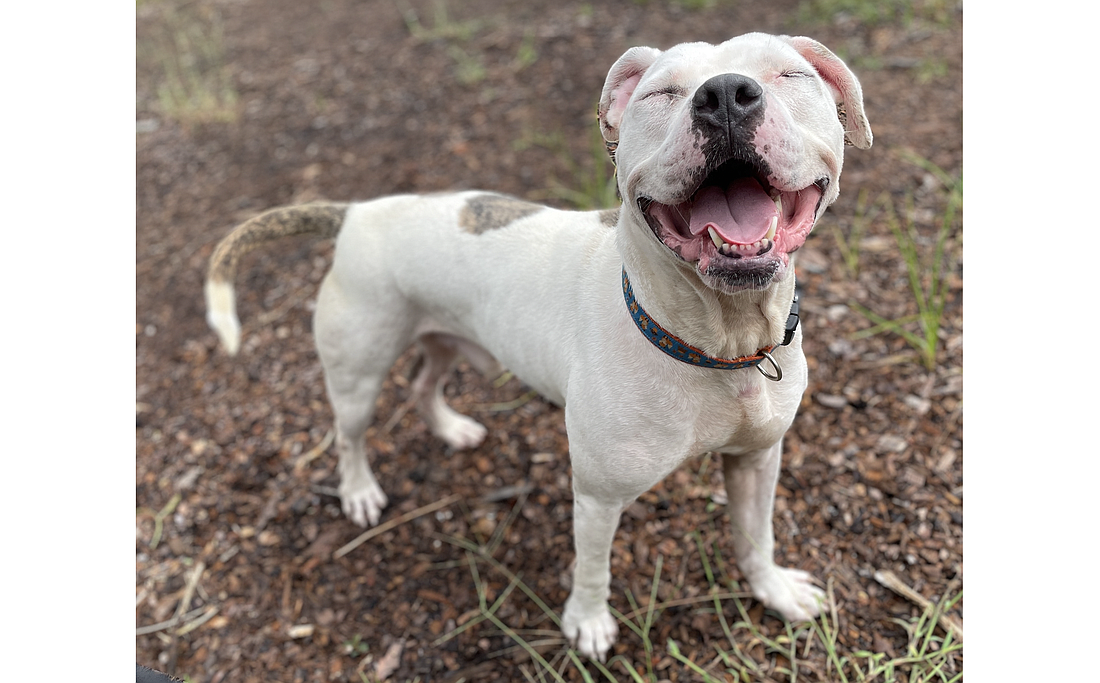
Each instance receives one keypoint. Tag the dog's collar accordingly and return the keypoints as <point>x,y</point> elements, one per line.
<point>686,353</point>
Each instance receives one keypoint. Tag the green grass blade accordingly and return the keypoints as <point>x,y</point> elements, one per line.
<point>580,667</point>
<point>473,548</point>
<point>532,652</point>
<point>674,651</point>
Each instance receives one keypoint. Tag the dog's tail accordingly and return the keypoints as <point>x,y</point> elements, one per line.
<point>322,218</point>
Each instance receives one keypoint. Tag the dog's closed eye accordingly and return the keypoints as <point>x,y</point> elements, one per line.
<point>673,91</point>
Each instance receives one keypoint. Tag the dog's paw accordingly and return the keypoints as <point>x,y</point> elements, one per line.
<point>791,592</point>
<point>459,431</point>
<point>363,503</point>
<point>592,636</point>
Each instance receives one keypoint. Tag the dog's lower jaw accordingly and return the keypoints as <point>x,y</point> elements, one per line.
<point>732,280</point>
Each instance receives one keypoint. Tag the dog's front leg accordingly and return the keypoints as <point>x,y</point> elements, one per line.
<point>750,483</point>
<point>587,622</point>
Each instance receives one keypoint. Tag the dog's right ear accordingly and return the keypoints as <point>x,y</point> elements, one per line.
<point>620,84</point>
<point>843,84</point>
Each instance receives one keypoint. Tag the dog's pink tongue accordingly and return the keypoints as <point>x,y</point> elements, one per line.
<point>740,215</point>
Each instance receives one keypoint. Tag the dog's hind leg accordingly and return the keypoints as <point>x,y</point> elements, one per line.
<point>358,345</point>
<point>750,483</point>
<point>361,498</point>
<point>440,353</point>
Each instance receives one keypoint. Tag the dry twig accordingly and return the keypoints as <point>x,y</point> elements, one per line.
<point>890,580</point>
<point>207,614</point>
<point>407,517</point>
<point>181,609</point>
<point>397,415</point>
<point>169,623</point>
<point>314,453</point>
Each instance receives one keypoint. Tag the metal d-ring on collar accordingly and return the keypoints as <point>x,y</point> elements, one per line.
<point>686,353</point>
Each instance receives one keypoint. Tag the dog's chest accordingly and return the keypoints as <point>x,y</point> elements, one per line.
<point>744,415</point>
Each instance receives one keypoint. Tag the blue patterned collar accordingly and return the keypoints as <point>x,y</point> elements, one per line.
<point>686,353</point>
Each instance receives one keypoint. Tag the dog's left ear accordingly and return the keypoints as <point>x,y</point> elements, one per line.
<point>617,90</point>
<point>843,84</point>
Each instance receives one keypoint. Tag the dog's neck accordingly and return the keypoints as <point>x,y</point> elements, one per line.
<point>721,324</point>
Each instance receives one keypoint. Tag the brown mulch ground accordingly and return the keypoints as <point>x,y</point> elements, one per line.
<point>340,100</point>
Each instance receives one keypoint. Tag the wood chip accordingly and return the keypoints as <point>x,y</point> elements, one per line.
<point>389,662</point>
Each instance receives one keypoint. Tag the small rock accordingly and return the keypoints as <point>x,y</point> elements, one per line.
<point>835,312</point>
<point>299,630</point>
<point>841,347</point>
<point>187,480</point>
<point>484,526</point>
<point>892,443</point>
<point>920,405</point>
<point>831,400</point>
<point>877,244</point>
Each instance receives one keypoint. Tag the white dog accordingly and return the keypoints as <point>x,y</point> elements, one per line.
<point>659,326</point>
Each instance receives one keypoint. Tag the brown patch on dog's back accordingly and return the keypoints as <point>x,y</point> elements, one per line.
<point>610,217</point>
<point>491,211</point>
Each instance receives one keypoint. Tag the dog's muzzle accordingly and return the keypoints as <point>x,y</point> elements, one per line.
<point>732,222</point>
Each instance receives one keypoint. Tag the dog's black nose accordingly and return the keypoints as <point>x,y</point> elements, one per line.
<point>728,101</point>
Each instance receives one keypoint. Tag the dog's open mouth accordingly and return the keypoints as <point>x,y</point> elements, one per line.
<point>735,220</point>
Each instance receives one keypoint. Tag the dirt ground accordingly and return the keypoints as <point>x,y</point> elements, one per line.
<point>237,523</point>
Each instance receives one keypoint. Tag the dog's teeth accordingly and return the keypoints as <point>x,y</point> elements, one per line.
<point>779,203</point>
<point>771,231</point>
<point>715,238</point>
